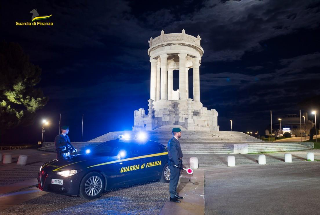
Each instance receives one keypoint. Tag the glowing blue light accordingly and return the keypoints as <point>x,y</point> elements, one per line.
<point>125,136</point>
<point>88,151</point>
<point>142,136</point>
<point>122,154</point>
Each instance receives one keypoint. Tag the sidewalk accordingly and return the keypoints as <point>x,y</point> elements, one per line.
<point>192,190</point>
<point>13,173</point>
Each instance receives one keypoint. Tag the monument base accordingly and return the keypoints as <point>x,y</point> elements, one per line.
<point>189,114</point>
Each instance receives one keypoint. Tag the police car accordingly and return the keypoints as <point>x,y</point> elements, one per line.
<point>110,165</point>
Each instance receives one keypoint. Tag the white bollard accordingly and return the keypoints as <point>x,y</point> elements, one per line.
<point>288,158</point>
<point>0,157</point>
<point>22,160</point>
<point>194,163</point>
<point>7,158</point>
<point>262,160</point>
<point>231,161</point>
<point>310,156</point>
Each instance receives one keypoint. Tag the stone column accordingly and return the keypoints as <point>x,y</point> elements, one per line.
<point>187,82</point>
<point>182,76</point>
<point>196,80</point>
<point>170,83</point>
<point>164,77</point>
<point>153,79</point>
<point>158,81</point>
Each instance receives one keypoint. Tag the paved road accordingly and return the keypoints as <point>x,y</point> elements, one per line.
<point>273,189</point>
<point>18,194</point>
<point>247,188</point>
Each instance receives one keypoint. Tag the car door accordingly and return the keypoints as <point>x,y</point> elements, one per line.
<point>106,161</point>
<point>130,164</point>
<point>151,162</point>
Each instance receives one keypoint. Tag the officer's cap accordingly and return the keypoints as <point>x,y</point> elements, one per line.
<point>176,130</point>
<point>65,127</point>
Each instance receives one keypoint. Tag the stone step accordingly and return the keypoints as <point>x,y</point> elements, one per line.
<point>278,148</point>
<point>165,135</point>
<point>205,153</point>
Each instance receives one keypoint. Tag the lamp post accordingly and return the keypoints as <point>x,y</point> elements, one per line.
<point>231,123</point>
<point>315,123</point>
<point>300,126</point>
<point>280,124</point>
<point>304,122</point>
<point>271,121</point>
<point>44,123</point>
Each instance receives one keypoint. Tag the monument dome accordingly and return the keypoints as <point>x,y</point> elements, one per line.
<point>169,53</point>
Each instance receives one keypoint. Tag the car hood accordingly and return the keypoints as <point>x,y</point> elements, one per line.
<point>76,162</point>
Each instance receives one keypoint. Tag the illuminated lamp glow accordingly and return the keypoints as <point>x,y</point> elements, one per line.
<point>142,136</point>
<point>67,173</point>
<point>126,136</point>
<point>88,151</point>
<point>122,154</point>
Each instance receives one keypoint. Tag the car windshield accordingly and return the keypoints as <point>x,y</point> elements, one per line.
<point>110,148</point>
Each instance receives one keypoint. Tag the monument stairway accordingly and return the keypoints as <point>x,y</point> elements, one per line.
<point>276,147</point>
<point>200,142</point>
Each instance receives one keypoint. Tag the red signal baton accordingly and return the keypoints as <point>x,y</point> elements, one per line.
<point>188,170</point>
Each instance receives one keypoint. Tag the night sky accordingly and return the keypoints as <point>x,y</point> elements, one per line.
<point>258,56</point>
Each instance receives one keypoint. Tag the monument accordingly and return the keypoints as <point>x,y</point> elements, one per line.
<point>181,53</point>
<point>171,53</point>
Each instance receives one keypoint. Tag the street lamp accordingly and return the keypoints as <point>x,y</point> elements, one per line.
<point>304,122</point>
<point>44,123</point>
<point>315,123</point>
<point>231,123</point>
<point>280,124</point>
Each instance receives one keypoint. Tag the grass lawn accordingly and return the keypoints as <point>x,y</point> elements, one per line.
<point>316,144</point>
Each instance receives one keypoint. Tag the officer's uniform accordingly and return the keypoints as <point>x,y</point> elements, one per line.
<point>175,164</point>
<point>63,146</point>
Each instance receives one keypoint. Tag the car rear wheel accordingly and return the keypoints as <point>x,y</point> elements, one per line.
<point>92,186</point>
<point>165,175</point>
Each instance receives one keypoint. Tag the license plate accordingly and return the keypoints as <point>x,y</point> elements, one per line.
<point>57,181</point>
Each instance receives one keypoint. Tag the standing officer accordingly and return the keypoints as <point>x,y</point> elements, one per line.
<point>63,145</point>
<point>175,164</point>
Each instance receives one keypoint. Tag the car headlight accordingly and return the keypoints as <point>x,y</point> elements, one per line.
<point>67,173</point>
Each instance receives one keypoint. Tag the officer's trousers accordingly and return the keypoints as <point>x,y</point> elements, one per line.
<point>174,179</point>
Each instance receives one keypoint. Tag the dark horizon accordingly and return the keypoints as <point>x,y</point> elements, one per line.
<point>258,56</point>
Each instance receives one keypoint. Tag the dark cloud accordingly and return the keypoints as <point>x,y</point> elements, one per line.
<point>258,55</point>
<point>255,67</point>
<point>300,63</point>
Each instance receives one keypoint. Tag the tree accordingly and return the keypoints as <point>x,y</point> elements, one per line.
<point>19,99</point>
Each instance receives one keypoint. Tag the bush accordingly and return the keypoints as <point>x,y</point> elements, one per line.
<point>287,135</point>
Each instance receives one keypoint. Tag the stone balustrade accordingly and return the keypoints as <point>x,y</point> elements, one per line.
<point>175,37</point>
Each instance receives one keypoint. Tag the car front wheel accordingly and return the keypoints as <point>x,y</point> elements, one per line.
<point>92,186</point>
<point>165,175</point>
